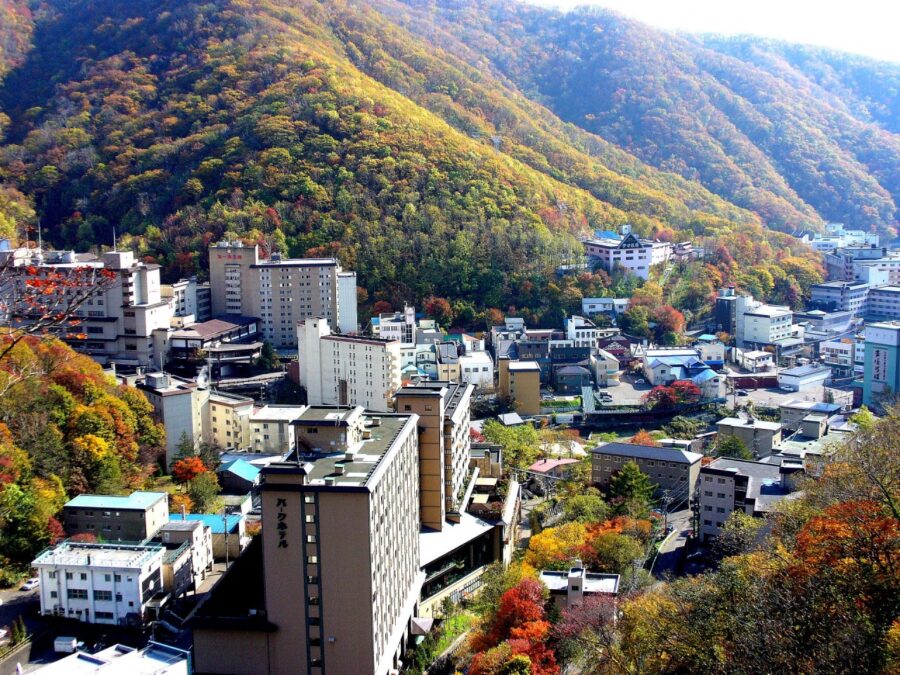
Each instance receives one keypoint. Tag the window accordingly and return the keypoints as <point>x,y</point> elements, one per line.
<point>103,615</point>
<point>117,577</point>
<point>309,499</point>
<point>105,596</point>
<point>312,579</point>
<point>707,493</point>
<point>68,575</point>
<point>52,594</point>
<point>707,522</point>
<point>51,575</point>
<point>312,559</point>
<point>107,577</point>
<point>77,593</point>
<point>720,495</point>
<point>118,597</point>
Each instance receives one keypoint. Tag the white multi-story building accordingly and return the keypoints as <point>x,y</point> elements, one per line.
<point>844,296</point>
<point>728,485</point>
<point>116,324</point>
<point>348,321</point>
<point>477,368</point>
<point>99,583</point>
<point>188,299</point>
<point>884,303</point>
<point>198,537</point>
<point>272,429</point>
<point>279,291</point>
<point>632,254</point>
<point>581,332</point>
<point>767,324</point>
<point>182,405</point>
<point>347,370</point>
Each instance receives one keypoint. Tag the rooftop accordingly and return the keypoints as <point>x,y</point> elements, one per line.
<point>216,522</point>
<point>592,582</point>
<point>322,415</point>
<point>277,413</point>
<point>181,525</point>
<point>139,501</point>
<point>886,289</point>
<point>241,469</point>
<point>511,419</point>
<point>154,659</point>
<point>803,371</point>
<point>811,406</point>
<point>648,452</point>
<point>750,423</point>
<point>524,366</point>
<point>355,467</point>
<point>544,465</point>
<point>769,311</point>
<point>763,478</point>
<point>213,328</point>
<point>434,544</point>
<point>99,555</point>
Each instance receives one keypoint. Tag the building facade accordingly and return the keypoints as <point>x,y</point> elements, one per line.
<point>844,296</point>
<point>884,303</point>
<point>229,421</point>
<point>181,405</point>
<point>134,518</point>
<point>279,291</point>
<point>347,370</point>
<point>339,558</point>
<point>100,583</point>
<point>632,254</point>
<point>520,382</point>
<point>671,469</point>
<point>881,377</point>
<point>758,436</point>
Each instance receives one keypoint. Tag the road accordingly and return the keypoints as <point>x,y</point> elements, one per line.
<point>672,548</point>
<point>15,603</point>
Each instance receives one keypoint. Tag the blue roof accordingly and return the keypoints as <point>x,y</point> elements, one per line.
<point>240,468</point>
<point>706,337</point>
<point>136,500</point>
<point>376,320</point>
<point>215,522</point>
<point>703,376</point>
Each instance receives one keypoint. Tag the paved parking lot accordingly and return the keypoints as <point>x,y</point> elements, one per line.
<point>774,397</point>
<point>627,393</point>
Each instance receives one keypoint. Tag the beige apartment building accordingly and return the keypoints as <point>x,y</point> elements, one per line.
<point>444,443</point>
<point>272,429</point>
<point>758,436</point>
<point>347,370</point>
<point>520,381</point>
<point>279,291</point>
<point>229,421</point>
<point>182,406</point>
<point>339,555</point>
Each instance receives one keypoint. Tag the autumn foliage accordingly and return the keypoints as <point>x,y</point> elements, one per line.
<point>187,469</point>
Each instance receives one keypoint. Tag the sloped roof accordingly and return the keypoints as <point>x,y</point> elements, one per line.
<point>241,469</point>
<point>648,452</point>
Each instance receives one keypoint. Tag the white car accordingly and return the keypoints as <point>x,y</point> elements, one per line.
<point>3,633</point>
<point>31,584</point>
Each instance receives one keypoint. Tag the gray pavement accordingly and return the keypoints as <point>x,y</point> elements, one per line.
<point>672,548</point>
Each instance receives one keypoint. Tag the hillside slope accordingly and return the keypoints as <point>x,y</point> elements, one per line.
<point>317,128</point>
<point>748,134</point>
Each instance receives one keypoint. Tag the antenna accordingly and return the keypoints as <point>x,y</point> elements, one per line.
<point>114,238</point>
<point>40,240</point>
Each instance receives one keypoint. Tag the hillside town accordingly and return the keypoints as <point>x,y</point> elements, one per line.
<point>419,459</point>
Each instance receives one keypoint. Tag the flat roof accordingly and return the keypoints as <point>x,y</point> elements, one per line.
<point>355,466</point>
<point>217,523</point>
<point>138,501</point>
<point>181,526</point>
<point>524,366</point>
<point>885,289</point>
<point>434,544</point>
<point>750,423</point>
<point>214,327</point>
<point>99,555</point>
<point>801,371</point>
<point>322,415</point>
<point>591,582</point>
<point>154,659</point>
<point>769,311</point>
<point>277,413</point>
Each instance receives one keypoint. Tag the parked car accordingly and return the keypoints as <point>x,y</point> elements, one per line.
<point>640,380</point>
<point>4,633</point>
<point>787,390</point>
<point>743,392</point>
<point>31,584</point>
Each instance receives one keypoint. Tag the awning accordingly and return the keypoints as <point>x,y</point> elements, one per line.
<point>421,625</point>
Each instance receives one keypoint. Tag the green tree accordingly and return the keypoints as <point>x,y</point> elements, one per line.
<point>732,446</point>
<point>520,443</point>
<point>738,534</point>
<point>631,487</point>
<point>204,492</point>
<point>268,359</point>
<point>586,509</point>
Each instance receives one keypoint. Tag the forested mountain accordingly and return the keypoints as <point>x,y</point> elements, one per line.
<point>868,89</point>
<point>752,133</point>
<point>455,150</point>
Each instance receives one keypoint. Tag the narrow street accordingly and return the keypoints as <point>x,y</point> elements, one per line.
<point>672,548</point>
